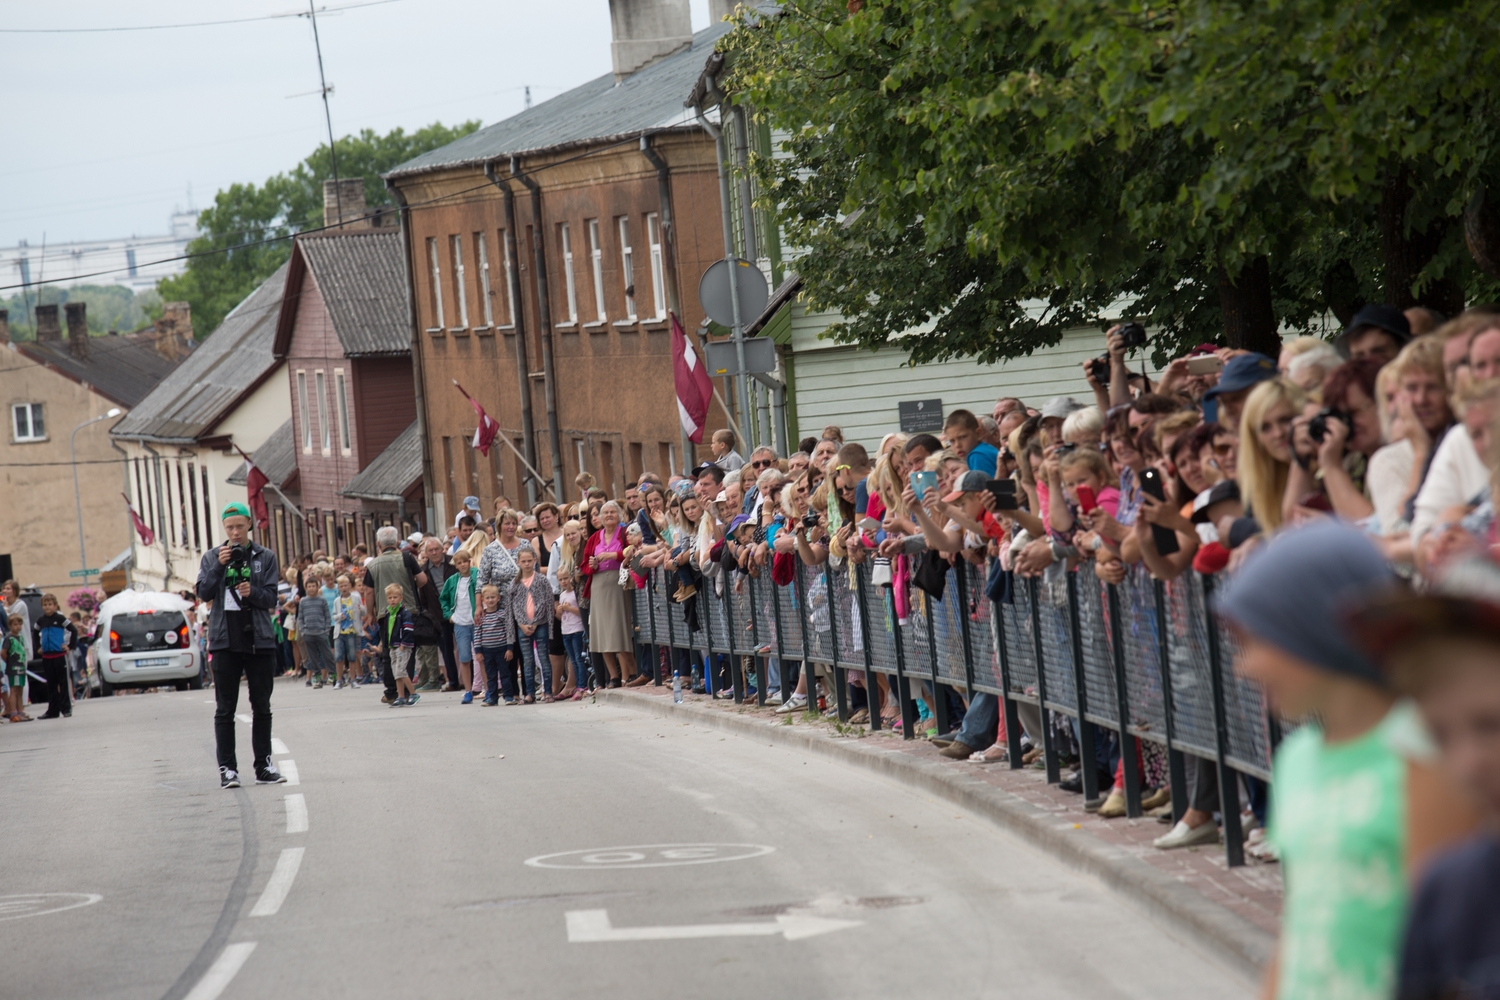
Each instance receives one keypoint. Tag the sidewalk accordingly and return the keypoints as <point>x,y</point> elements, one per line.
<point>1233,911</point>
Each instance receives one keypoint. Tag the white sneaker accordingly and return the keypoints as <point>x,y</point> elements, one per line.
<point>774,698</point>
<point>1183,835</point>
<point>796,703</point>
<point>1259,848</point>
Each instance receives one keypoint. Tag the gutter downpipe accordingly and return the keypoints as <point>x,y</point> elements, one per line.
<point>669,253</point>
<point>416,352</point>
<point>518,305</point>
<point>161,517</point>
<point>763,390</point>
<point>544,320</point>
<point>737,330</point>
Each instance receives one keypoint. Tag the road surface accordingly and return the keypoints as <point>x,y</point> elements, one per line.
<point>553,851</point>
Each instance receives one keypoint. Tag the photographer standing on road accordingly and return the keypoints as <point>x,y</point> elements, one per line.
<point>240,578</point>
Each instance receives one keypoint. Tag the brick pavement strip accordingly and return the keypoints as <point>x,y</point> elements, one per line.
<point>1232,911</point>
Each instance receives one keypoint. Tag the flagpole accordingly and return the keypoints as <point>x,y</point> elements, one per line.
<point>519,457</point>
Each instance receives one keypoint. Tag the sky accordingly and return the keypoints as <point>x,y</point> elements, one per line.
<point>117,128</point>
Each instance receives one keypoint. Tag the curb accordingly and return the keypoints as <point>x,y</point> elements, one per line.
<point>1229,936</point>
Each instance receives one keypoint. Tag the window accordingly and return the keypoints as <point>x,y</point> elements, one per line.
<point>510,303</point>
<point>27,420</point>
<point>627,267</point>
<point>192,479</point>
<point>583,465</point>
<point>486,292</point>
<point>280,523</point>
<point>448,467</point>
<point>302,411</point>
<point>208,516</point>
<point>596,263</point>
<point>341,388</point>
<point>572,285</point>
<point>435,283</point>
<point>325,437</point>
<point>658,266</point>
<point>456,245</point>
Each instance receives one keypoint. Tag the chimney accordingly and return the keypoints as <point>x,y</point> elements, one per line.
<point>347,195</point>
<point>4,326</point>
<point>720,9</point>
<point>174,331</point>
<point>647,31</point>
<point>78,329</point>
<point>46,323</point>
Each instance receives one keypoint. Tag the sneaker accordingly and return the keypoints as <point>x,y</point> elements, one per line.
<point>399,703</point>
<point>267,774</point>
<point>317,685</point>
<point>510,701</point>
<point>228,778</point>
<point>467,699</point>
<point>308,682</point>
<point>413,699</point>
<point>796,703</point>
<point>774,698</point>
<point>491,702</point>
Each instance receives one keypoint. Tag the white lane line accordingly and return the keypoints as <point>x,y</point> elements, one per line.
<point>241,717</point>
<point>289,768</point>
<point>296,813</point>
<point>280,884</point>
<point>221,972</point>
<point>277,747</point>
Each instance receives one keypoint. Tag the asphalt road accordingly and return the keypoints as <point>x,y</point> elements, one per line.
<point>397,866</point>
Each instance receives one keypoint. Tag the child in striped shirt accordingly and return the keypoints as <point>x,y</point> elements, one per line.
<point>493,637</point>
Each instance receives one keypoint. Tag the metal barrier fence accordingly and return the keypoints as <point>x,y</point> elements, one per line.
<point>1143,658</point>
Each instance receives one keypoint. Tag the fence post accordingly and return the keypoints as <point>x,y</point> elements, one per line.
<point>1122,699</point>
<point>710,668</point>
<point>1176,769</point>
<point>1229,789</point>
<point>1049,747</point>
<point>1012,716</point>
<point>736,676</point>
<point>651,620</point>
<point>840,680</point>
<point>1088,762</point>
<point>799,590</point>
<point>786,685</point>
<point>872,689</point>
<point>939,696</point>
<point>762,663</point>
<point>903,683</point>
<point>961,581</point>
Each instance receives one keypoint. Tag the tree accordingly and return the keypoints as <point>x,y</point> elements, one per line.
<point>245,232</point>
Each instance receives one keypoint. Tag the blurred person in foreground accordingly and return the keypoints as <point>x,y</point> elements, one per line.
<point>1360,805</point>
<point>1443,650</point>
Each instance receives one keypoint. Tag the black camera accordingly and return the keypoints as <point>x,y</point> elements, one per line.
<point>1132,335</point>
<point>1065,449</point>
<point>809,521</point>
<point>1099,369</point>
<point>1317,427</point>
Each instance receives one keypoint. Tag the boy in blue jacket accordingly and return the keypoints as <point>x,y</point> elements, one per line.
<point>398,639</point>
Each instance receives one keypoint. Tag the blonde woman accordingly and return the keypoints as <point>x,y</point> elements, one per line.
<point>1265,454</point>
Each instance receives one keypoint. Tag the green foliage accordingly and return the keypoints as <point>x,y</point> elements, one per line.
<point>110,307</point>
<point>244,216</point>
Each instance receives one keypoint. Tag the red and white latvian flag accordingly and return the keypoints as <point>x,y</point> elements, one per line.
<point>148,537</point>
<point>690,379</point>
<point>255,489</point>
<point>487,428</point>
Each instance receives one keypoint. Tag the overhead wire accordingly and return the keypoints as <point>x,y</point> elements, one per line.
<point>188,24</point>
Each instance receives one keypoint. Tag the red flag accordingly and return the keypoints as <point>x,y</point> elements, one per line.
<point>255,485</point>
<point>484,433</point>
<point>690,379</point>
<point>148,537</point>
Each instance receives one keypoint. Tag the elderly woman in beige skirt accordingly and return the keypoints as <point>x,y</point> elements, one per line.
<point>610,634</point>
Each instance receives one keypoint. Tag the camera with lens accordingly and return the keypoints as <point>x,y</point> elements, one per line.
<point>238,569</point>
<point>1132,335</point>
<point>809,521</point>
<point>1317,427</point>
<point>1099,369</point>
<point>1065,449</point>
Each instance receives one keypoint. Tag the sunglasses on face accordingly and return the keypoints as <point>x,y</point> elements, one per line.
<point>764,463</point>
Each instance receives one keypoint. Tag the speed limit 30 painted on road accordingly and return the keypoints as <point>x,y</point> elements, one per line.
<point>650,856</point>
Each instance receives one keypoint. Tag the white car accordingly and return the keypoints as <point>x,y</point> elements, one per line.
<point>147,640</point>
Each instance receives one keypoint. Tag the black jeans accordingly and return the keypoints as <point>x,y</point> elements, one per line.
<point>259,668</point>
<point>55,669</point>
<point>450,665</point>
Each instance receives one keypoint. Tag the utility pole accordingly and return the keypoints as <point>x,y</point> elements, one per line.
<point>333,155</point>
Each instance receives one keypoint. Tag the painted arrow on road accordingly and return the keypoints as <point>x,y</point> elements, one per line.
<point>594,925</point>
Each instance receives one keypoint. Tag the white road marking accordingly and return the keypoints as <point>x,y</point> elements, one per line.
<point>590,926</point>
<point>221,972</point>
<point>280,884</point>
<point>650,856</point>
<point>289,768</point>
<point>241,717</point>
<point>296,813</point>
<point>34,904</point>
<point>278,747</point>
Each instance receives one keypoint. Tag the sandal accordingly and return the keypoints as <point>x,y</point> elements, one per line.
<point>996,754</point>
<point>860,718</point>
<point>578,695</point>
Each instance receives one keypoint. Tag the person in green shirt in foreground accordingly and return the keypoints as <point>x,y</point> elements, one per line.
<point>1358,804</point>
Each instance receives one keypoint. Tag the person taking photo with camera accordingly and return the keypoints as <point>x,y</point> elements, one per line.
<point>239,578</point>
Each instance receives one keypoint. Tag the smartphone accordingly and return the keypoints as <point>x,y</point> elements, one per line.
<point>1004,492</point>
<point>1205,364</point>
<point>1165,538</point>
<point>869,525</point>
<point>1086,499</point>
<point>922,482</point>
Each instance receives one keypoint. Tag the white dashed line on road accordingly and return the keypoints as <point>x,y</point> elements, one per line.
<point>296,813</point>
<point>289,768</point>
<point>280,884</point>
<point>277,747</point>
<point>241,717</point>
<point>221,972</point>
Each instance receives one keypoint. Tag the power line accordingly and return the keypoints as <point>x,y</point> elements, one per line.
<point>190,24</point>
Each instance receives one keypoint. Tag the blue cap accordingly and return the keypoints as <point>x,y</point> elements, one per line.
<point>1243,371</point>
<point>735,523</point>
<point>471,503</point>
<point>1295,589</point>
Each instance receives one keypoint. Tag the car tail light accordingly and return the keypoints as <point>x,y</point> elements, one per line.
<point>182,635</point>
<point>114,641</point>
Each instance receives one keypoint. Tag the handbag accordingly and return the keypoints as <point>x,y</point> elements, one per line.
<point>931,575</point>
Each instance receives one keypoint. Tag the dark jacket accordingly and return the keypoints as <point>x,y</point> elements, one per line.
<point>264,575</point>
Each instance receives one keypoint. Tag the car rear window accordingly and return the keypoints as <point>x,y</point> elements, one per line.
<point>148,630</point>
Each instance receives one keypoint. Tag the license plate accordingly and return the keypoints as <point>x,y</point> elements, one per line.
<point>160,661</point>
